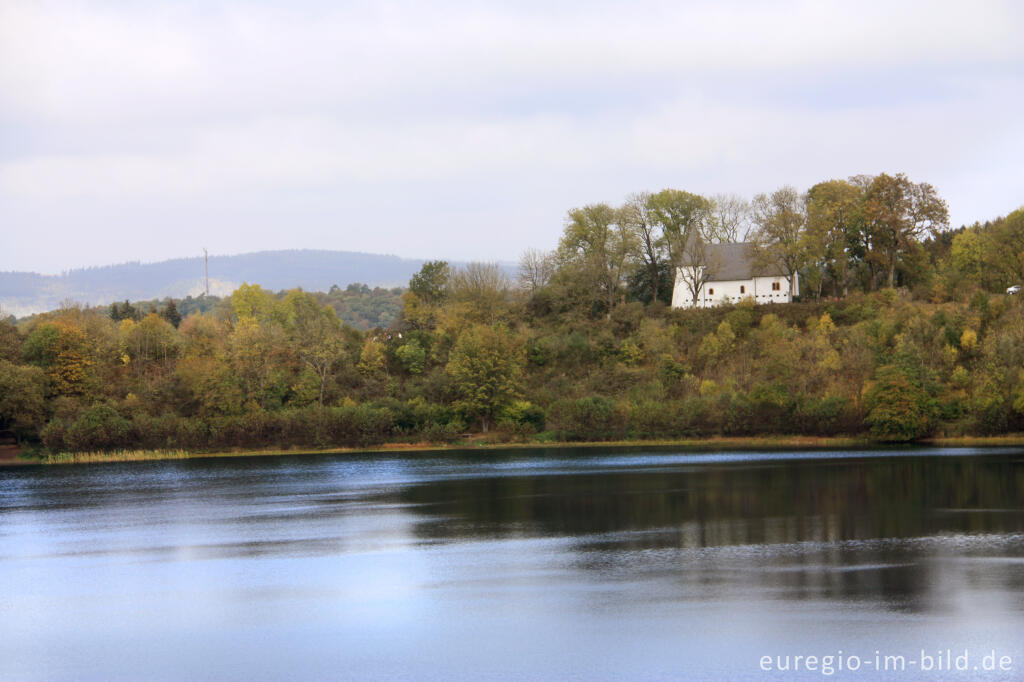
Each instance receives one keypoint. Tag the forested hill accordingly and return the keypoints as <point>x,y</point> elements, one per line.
<point>24,293</point>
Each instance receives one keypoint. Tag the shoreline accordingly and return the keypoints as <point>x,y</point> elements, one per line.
<point>415,448</point>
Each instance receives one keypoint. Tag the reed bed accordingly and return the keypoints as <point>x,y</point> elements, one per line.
<point>115,456</point>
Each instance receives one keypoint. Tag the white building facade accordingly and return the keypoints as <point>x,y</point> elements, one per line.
<point>731,277</point>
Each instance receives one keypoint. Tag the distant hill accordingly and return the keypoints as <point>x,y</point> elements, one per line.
<point>24,293</point>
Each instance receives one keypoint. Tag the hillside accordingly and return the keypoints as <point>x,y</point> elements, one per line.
<point>25,293</point>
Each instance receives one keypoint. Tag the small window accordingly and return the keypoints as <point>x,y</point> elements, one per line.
<point>776,286</point>
<point>711,292</point>
<point>743,289</point>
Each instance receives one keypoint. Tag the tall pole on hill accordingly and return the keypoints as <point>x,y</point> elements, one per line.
<point>206,266</point>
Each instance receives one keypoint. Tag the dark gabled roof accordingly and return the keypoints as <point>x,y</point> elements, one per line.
<point>727,262</point>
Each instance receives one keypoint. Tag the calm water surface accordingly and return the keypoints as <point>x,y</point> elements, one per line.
<point>531,564</point>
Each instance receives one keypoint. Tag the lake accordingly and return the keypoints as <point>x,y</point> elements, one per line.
<point>519,564</point>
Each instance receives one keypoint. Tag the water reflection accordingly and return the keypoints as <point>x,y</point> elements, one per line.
<point>539,564</point>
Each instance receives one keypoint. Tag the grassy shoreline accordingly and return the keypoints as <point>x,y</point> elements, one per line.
<point>691,444</point>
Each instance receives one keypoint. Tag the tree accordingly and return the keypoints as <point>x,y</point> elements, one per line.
<point>65,353</point>
<point>252,351</point>
<point>480,291</point>
<point>485,366</point>
<point>22,398</point>
<point>123,312</point>
<point>967,255</point>
<point>897,214</point>
<point>430,284</point>
<point>315,334</point>
<point>698,266</point>
<point>730,219</point>
<point>412,355</point>
<point>636,216</point>
<point>899,408</point>
<point>1003,249</point>
<point>252,300</point>
<point>834,216</point>
<point>780,238</point>
<point>147,341</point>
<point>535,270</point>
<point>428,289</point>
<point>171,313</point>
<point>679,215</point>
<point>597,249</point>
<point>372,360</point>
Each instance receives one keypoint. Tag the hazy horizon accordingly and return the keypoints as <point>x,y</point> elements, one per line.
<point>147,131</point>
<point>158,260</point>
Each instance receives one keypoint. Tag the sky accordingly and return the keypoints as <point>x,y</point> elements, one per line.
<point>140,131</point>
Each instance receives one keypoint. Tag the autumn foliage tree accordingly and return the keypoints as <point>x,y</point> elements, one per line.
<point>897,215</point>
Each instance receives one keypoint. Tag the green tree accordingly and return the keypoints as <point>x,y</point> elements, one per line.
<point>150,340</point>
<point>430,284</point>
<point>125,311</point>
<point>967,255</point>
<point>253,353</point>
<point>485,366</point>
<point>252,300</point>
<point>171,314</point>
<point>834,216</point>
<point>428,290</point>
<point>637,217</point>
<point>22,398</point>
<point>372,360</point>
<point>681,215</point>
<point>413,356</point>
<point>315,333</point>
<point>596,249</point>
<point>1003,250</point>
<point>65,353</point>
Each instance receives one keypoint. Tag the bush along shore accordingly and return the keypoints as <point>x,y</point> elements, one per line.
<point>582,348</point>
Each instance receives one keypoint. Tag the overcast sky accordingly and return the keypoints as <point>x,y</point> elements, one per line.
<point>134,130</point>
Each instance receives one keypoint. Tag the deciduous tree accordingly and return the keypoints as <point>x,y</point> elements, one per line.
<point>596,247</point>
<point>485,366</point>
<point>22,398</point>
<point>781,237</point>
<point>897,214</point>
<point>834,217</point>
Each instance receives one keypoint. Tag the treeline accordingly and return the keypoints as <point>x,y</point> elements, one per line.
<point>841,235</point>
<point>356,305</point>
<point>581,347</point>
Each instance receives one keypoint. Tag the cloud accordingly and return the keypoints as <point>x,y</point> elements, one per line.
<point>153,60</point>
<point>128,112</point>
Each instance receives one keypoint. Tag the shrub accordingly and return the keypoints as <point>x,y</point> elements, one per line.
<point>590,418</point>
<point>521,416</point>
<point>899,409</point>
<point>100,427</point>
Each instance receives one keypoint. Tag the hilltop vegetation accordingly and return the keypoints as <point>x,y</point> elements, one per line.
<point>26,293</point>
<point>581,347</point>
<point>356,305</point>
